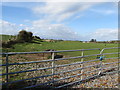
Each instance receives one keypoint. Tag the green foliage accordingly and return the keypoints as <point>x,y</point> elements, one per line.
<point>8,44</point>
<point>8,40</point>
<point>49,57</point>
<point>5,38</point>
<point>24,36</point>
<point>36,37</point>
<point>93,40</point>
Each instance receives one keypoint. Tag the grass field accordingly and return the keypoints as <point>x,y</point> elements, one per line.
<point>42,46</point>
<point>59,45</point>
<point>6,37</point>
<point>62,45</point>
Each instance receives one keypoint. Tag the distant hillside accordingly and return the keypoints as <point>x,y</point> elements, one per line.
<point>6,37</point>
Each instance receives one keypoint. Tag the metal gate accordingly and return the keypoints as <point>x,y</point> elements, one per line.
<point>58,72</point>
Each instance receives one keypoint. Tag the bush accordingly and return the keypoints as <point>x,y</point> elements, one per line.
<point>22,37</point>
<point>4,44</point>
<point>93,40</point>
<point>8,44</point>
<point>25,36</point>
<point>36,37</point>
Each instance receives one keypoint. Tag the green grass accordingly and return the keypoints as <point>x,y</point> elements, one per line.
<point>6,37</point>
<point>62,45</point>
<point>59,45</point>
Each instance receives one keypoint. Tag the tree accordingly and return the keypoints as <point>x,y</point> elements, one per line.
<point>25,36</point>
<point>93,40</point>
<point>30,35</point>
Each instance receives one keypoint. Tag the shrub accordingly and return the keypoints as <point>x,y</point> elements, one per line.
<point>36,37</point>
<point>8,44</point>
<point>24,36</point>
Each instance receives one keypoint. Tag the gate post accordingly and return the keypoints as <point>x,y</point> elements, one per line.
<point>53,65</point>
<point>82,59</point>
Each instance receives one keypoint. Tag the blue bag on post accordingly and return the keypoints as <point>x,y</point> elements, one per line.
<point>101,58</point>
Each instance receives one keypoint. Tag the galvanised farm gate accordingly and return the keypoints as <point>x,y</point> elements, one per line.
<point>25,70</point>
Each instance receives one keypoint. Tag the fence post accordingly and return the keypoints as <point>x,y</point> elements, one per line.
<point>7,77</point>
<point>53,65</point>
<point>82,59</point>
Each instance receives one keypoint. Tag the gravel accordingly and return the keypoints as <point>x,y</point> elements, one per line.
<point>105,81</point>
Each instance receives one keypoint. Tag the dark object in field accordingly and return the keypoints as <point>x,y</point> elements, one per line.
<point>58,56</point>
<point>55,57</point>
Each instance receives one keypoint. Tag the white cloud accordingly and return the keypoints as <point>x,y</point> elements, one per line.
<point>58,31</point>
<point>8,28</point>
<point>105,34</point>
<point>53,31</point>
<point>59,11</point>
<point>44,29</point>
<point>22,25</point>
<point>104,12</point>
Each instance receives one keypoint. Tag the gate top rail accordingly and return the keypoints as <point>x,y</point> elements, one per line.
<point>48,51</point>
<point>108,48</point>
<point>111,48</point>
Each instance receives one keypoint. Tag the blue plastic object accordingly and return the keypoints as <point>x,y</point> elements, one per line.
<point>101,58</point>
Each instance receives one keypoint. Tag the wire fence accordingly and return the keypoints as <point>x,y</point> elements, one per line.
<point>54,75</point>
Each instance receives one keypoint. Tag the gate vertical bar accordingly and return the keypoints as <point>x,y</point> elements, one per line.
<point>100,67</point>
<point>82,59</point>
<point>7,77</point>
<point>101,52</point>
<point>53,65</point>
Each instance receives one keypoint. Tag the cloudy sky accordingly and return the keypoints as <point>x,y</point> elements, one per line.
<point>61,20</point>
